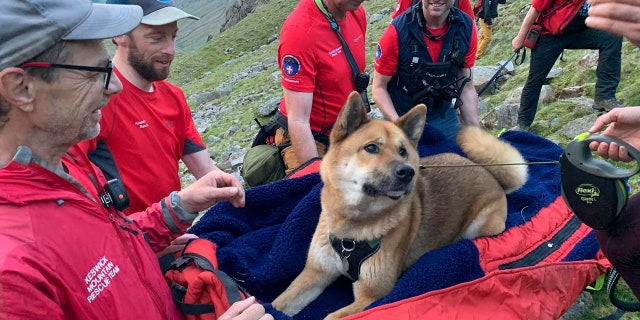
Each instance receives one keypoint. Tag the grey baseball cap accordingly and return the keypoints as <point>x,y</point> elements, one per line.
<point>157,12</point>
<point>32,26</point>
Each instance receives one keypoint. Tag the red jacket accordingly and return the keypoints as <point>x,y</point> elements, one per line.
<point>556,14</point>
<point>64,256</point>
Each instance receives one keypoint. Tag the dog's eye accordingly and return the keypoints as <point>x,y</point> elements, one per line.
<point>372,148</point>
<point>403,152</point>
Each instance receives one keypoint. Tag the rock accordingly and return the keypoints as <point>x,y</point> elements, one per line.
<point>578,126</point>
<point>579,307</point>
<point>571,92</point>
<point>502,116</point>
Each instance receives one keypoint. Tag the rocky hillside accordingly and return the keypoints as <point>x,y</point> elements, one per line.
<point>229,79</point>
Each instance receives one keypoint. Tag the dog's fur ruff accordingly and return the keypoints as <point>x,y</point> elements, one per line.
<point>375,188</point>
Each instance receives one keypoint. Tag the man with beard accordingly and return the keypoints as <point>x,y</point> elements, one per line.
<point>147,128</point>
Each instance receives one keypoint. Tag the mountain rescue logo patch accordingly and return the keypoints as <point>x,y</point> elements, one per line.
<point>378,52</point>
<point>290,65</point>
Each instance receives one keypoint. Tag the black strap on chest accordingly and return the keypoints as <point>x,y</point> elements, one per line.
<point>354,253</point>
<point>361,80</point>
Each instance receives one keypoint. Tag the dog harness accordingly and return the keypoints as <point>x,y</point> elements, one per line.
<point>353,253</point>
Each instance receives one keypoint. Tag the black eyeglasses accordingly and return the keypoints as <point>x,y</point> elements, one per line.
<point>107,70</point>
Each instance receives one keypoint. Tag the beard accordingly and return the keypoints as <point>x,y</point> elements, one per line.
<point>144,67</point>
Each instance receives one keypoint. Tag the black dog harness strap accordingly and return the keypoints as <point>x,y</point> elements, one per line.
<point>353,253</point>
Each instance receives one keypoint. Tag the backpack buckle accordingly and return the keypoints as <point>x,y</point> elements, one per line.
<point>181,262</point>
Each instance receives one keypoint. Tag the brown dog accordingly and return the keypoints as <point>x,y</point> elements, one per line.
<point>383,207</point>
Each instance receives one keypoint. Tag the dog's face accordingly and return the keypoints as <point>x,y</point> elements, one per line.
<point>372,162</point>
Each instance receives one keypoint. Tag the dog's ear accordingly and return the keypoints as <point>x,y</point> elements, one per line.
<point>351,117</point>
<point>412,123</point>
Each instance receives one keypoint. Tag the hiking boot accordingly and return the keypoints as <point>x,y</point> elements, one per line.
<point>606,105</point>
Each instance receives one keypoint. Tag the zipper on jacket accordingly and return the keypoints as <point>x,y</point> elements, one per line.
<point>545,249</point>
<point>122,226</point>
<point>132,257</point>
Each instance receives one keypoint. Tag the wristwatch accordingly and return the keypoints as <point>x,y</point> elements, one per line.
<point>174,201</point>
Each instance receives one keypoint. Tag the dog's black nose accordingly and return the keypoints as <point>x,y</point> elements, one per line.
<point>404,172</point>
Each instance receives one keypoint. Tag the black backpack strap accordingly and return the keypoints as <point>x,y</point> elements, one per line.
<point>178,292</point>
<point>347,52</point>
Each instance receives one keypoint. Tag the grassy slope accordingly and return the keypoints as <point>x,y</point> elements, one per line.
<point>204,69</point>
<point>193,34</point>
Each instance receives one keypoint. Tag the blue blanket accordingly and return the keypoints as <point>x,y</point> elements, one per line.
<point>264,244</point>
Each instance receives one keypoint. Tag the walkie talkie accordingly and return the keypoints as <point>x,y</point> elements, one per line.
<point>595,190</point>
<point>115,195</point>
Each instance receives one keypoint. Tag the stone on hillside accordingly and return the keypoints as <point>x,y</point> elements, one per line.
<point>375,18</point>
<point>482,106</point>
<point>213,139</point>
<point>571,92</point>
<point>269,62</point>
<point>376,114</point>
<point>502,116</point>
<point>578,310</point>
<point>508,67</point>
<point>269,108</point>
<point>546,95</point>
<point>205,97</point>
<point>231,131</point>
<point>276,75</point>
<point>554,73</point>
<point>578,126</point>
<point>482,75</point>
<point>581,102</point>
<point>589,60</point>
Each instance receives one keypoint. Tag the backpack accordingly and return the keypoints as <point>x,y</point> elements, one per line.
<point>199,289</point>
<point>263,162</point>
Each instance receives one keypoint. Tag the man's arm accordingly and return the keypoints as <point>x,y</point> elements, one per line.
<point>529,20</point>
<point>381,96</point>
<point>199,163</point>
<point>298,114</point>
<point>469,98</point>
<point>166,220</point>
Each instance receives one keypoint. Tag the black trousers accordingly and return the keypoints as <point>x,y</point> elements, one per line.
<point>547,51</point>
<point>621,243</point>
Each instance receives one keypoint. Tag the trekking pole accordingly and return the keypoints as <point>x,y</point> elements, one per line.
<point>495,76</point>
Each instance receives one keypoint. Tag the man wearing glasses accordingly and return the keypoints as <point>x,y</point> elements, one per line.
<point>64,252</point>
<point>147,128</point>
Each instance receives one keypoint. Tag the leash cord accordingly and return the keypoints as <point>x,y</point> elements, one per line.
<point>517,62</point>
<point>487,165</point>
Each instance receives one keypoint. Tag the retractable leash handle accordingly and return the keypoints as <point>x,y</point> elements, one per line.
<point>595,190</point>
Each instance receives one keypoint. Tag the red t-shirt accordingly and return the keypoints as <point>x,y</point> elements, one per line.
<point>146,134</point>
<point>311,59</point>
<point>386,62</point>
<point>402,5</point>
<point>556,21</point>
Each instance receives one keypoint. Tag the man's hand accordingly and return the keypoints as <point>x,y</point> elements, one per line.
<point>246,309</point>
<point>214,187</point>
<point>177,245</point>
<point>621,17</point>
<point>621,123</point>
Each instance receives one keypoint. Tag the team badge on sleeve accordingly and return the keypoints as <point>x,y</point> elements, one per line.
<point>290,65</point>
<point>378,52</point>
